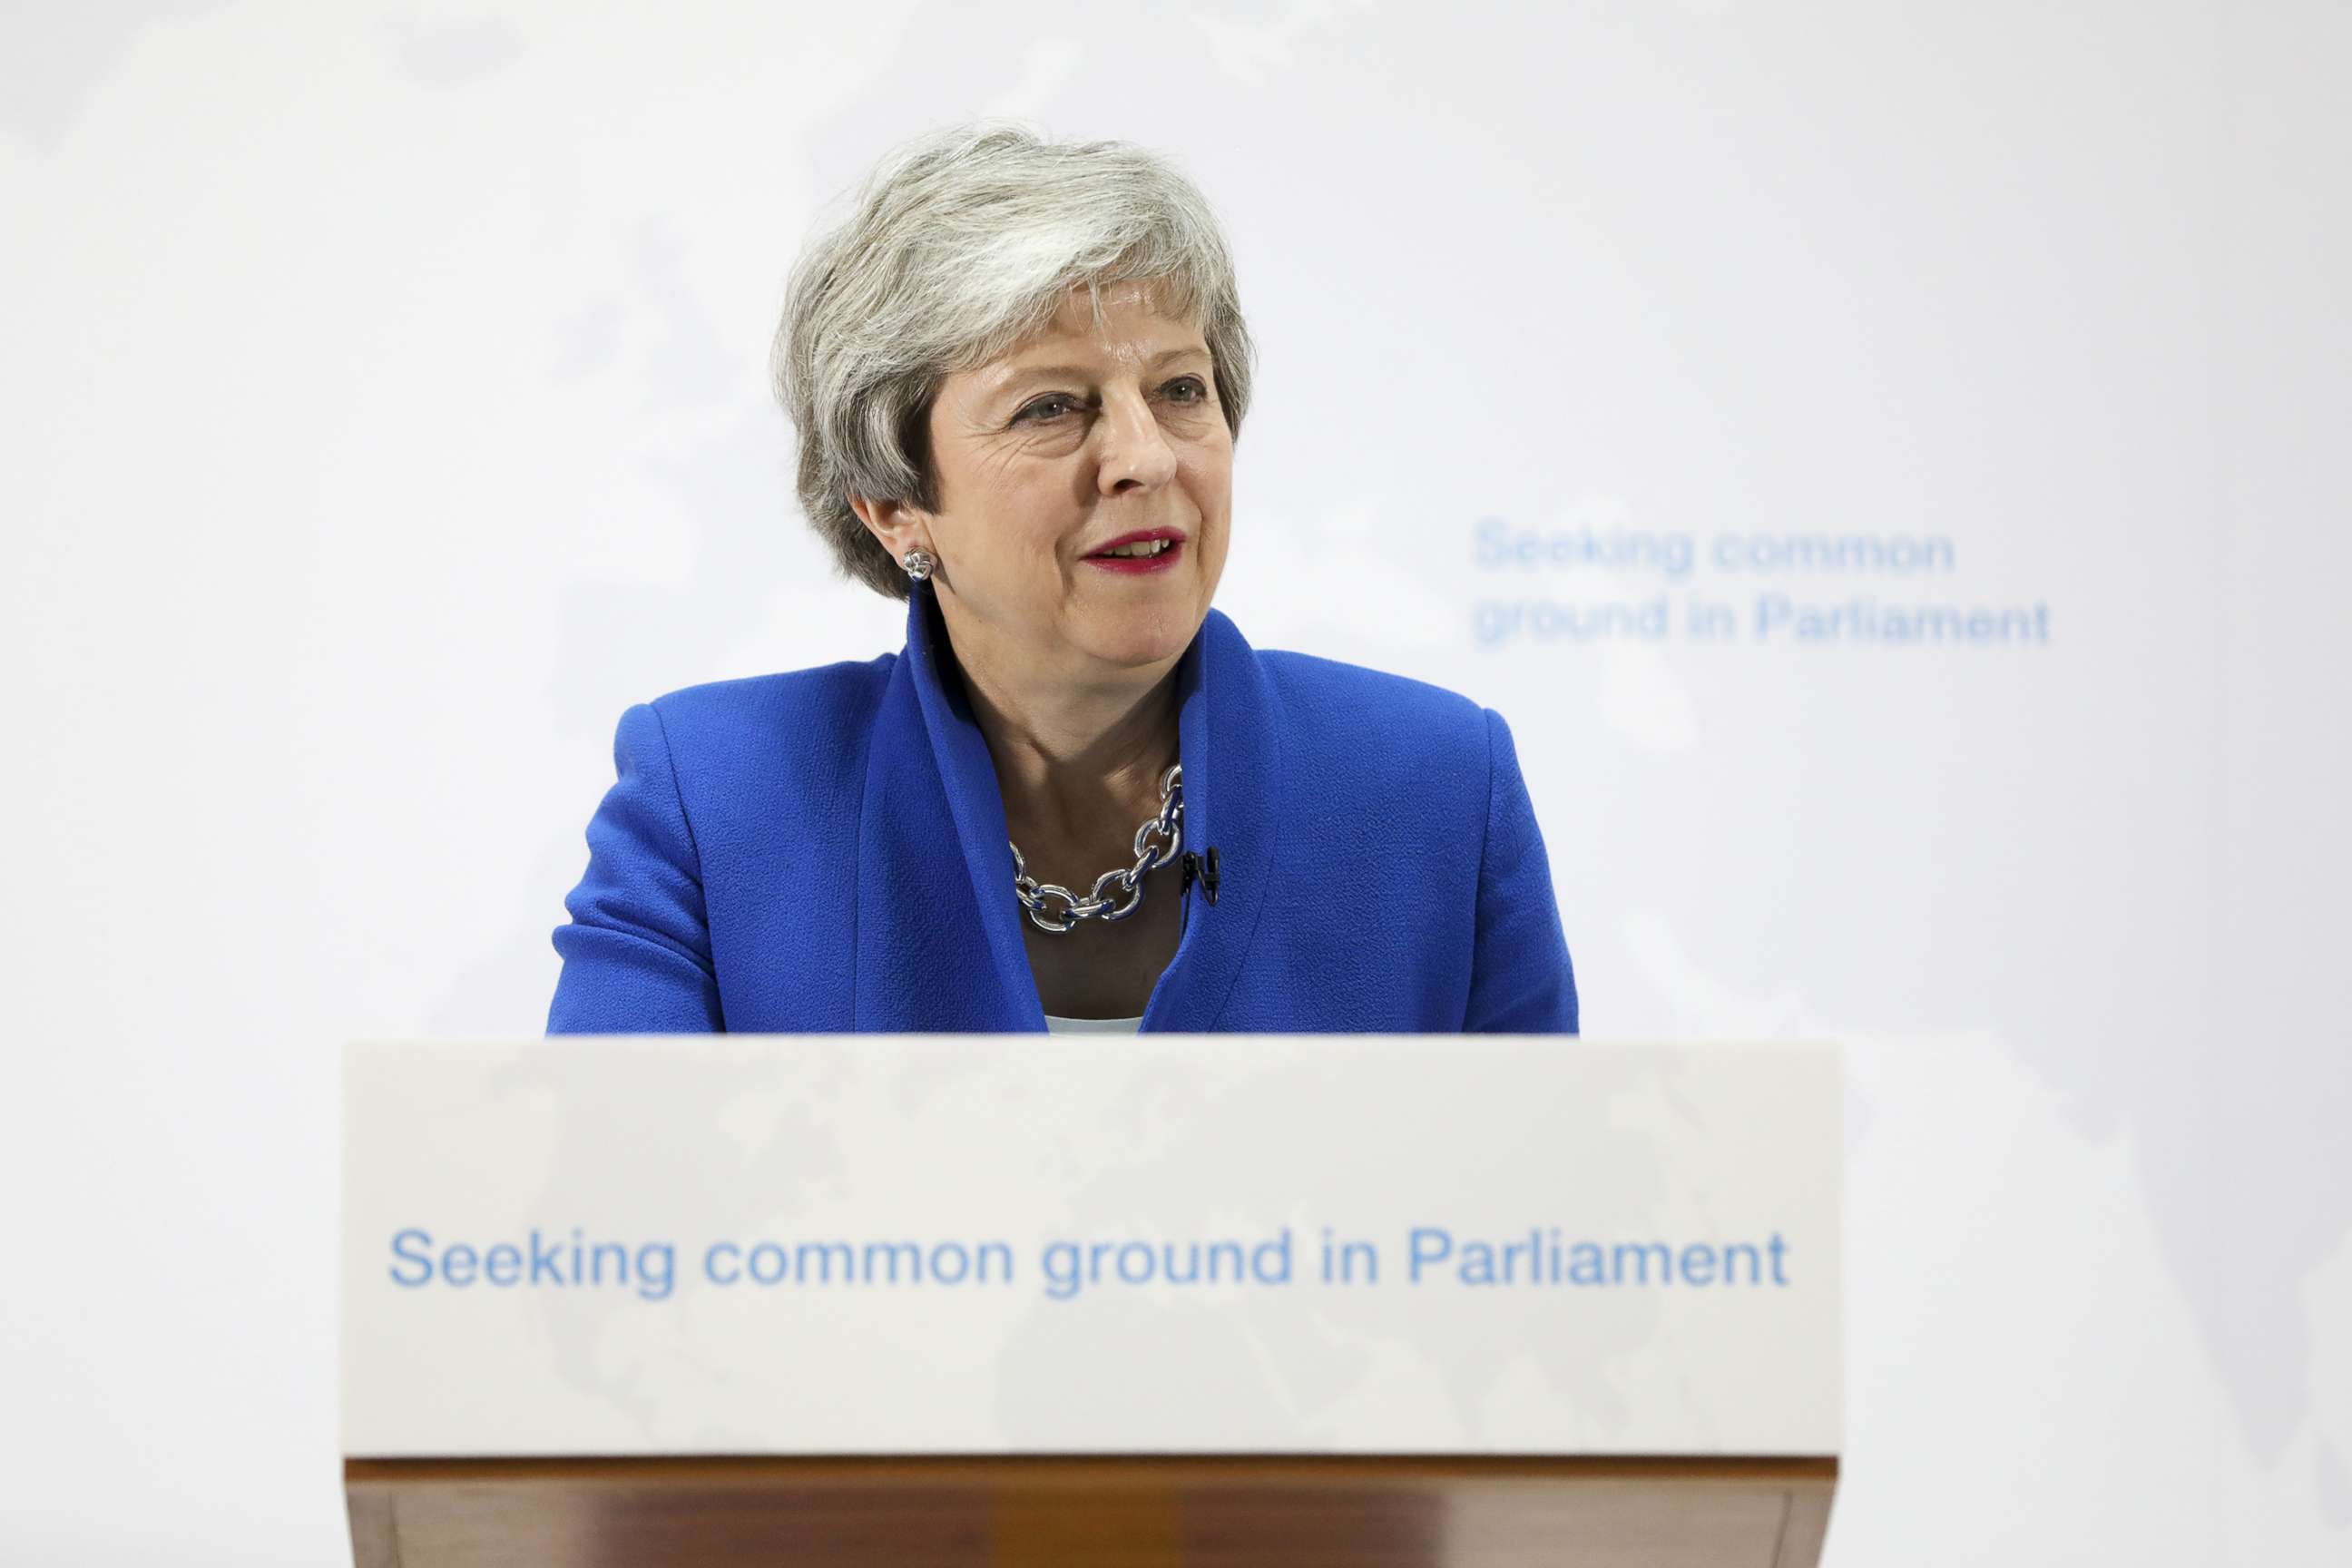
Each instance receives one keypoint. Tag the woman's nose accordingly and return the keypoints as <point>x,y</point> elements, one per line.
<point>1135,449</point>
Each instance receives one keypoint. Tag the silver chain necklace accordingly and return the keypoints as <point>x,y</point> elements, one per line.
<point>1167,828</point>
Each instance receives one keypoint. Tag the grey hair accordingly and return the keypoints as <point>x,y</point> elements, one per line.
<point>962,243</point>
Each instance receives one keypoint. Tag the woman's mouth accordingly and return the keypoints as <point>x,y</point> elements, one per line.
<point>1152,554</point>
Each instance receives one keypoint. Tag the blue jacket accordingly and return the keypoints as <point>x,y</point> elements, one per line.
<point>825,851</point>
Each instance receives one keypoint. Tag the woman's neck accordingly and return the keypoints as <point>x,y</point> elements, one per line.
<point>1078,762</point>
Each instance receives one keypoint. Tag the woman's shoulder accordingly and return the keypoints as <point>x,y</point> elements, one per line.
<point>1373,714</point>
<point>1385,734</point>
<point>826,695</point>
<point>758,738</point>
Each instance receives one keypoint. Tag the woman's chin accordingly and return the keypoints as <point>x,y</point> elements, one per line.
<point>1141,637</point>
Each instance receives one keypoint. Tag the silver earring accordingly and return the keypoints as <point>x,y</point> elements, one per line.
<point>919,563</point>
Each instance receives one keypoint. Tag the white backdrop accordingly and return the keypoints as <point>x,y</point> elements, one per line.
<point>383,409</point>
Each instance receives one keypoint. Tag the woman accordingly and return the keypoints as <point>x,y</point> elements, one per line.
<point>1078,800</point>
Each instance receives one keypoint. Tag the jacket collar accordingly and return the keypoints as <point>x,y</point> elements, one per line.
<point>1228,738</point>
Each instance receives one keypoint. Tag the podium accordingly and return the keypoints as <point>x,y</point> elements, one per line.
<point>1225,1300</point>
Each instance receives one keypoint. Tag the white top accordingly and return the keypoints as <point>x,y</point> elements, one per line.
<point>1093,1026</point>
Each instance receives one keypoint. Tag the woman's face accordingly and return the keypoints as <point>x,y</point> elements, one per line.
<point>1076,439</point>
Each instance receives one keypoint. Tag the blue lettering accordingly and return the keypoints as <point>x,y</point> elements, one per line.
<point>1429,1244</point>
<point>653,1283</point>
<point>1493,543</point>
<point>423,1238</point>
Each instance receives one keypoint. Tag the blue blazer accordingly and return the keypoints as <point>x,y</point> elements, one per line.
<point>825,851</point>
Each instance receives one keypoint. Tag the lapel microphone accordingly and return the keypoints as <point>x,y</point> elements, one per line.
<point>1203,868</point>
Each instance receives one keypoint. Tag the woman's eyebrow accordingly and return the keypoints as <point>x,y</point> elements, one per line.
<point>1079,371</point>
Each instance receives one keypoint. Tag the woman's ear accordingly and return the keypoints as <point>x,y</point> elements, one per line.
<point>899,527</point>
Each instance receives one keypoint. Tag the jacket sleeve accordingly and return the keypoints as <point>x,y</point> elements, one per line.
<point>636,955</point>
<point>1521,981</point>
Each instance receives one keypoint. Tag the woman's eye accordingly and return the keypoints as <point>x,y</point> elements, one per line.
<point>1048,407</point>
<point>1187,391</point>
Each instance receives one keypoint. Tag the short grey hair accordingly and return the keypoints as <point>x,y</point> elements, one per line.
<point>961,242</point>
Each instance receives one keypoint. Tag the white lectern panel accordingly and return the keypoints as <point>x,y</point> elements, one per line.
<point>1151,1244</point>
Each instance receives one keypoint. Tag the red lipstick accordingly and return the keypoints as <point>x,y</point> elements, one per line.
<point>1160,562</point>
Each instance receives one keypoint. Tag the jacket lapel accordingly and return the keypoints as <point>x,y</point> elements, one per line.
<point>1229,738</point>
<point>936,947</point>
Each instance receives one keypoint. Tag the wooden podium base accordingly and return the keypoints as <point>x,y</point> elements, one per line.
<point>1101,1511</point>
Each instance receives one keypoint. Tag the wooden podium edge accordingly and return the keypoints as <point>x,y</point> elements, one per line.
<point>1108,1467</point>
<point>1032,1492</point>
